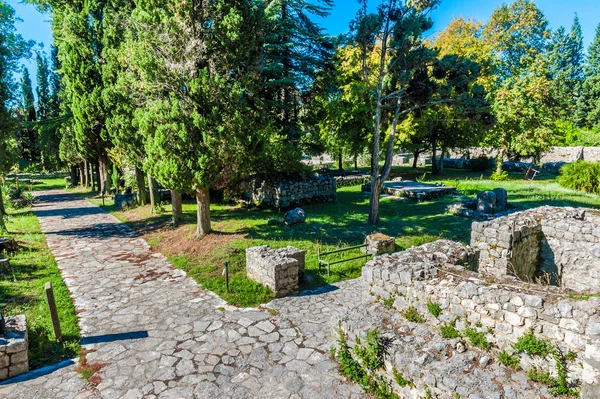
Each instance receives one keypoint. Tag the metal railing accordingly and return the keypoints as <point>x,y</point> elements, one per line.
<point>324,263</point>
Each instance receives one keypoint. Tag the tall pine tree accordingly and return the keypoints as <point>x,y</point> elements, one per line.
<point>295,49</point>
<point>566,68</point>
<point>27,135</point>
<point>588,106</point>
<point>12,49</point>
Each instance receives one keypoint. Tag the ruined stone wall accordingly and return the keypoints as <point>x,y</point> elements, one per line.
<point>352,180</point>
<point>280,270</point>
<point>562,242</point>
<point>287,193</point>
<point>14,359</point>
<point>509,308</point>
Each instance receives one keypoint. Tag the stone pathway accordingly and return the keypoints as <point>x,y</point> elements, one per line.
<point>160,335</point>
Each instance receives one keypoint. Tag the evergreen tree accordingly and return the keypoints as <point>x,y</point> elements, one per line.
<point>27,135</point>
<point>566,67</point>
<point>54,83</point>
<point>295,50</point>
<point>588,106</point>
<point>48,121</point>
<point>43,86</point>
<point>12,49</point>
<point>197,69</point>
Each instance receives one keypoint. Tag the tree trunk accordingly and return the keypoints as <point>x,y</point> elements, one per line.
<point>177,208</point>
<point>97,173</point>
<point>81,173</point>
<point>434,164</point>
<point>374,202</point>
<point>93,165</point>
<point>340,161</point>
<point>416,159</point>
<point>203,213</point>
<point>441,166</point>
<point>86,174</point>
<point>74,175</point>
<point>104,181</point>
<point>141,186</point>
<point>153,189</point>
<point>356,162</point>
<point>2,210</point>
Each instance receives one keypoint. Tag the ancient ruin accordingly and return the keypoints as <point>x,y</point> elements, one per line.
<point>487,294</point>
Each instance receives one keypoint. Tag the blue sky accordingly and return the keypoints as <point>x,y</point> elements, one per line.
<point>36,26</point>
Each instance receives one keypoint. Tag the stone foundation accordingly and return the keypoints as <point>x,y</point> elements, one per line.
<point>288,193</point>
<point>14,359</point>
<point>561,245</point>
<point>379,244</point>
<point>503,308</point>
<point>280,270</point>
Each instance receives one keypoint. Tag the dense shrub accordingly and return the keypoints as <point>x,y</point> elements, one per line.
<point>581,175</point>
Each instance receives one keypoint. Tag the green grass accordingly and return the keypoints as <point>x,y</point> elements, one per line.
<point>333,226</point>
<point>23,293</point>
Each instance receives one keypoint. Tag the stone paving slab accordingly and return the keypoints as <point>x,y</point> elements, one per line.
<point>160,335</point>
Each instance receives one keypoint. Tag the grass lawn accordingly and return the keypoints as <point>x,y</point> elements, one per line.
<point>22,292</point>
<point>328,227</point>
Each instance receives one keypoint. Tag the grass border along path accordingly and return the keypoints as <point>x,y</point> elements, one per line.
<point>22,292</point>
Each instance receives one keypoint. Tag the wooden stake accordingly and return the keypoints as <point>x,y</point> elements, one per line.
<point>53,311</point>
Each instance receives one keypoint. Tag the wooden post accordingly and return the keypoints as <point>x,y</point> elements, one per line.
<point>53,311</point>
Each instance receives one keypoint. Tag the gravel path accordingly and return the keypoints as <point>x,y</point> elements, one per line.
<point>159,334</point>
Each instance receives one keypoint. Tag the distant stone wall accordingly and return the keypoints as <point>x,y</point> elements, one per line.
<point>436,272</point>
<point>288,193</point>
<point>352,180</point>
<point>280,270</point>
<point>14,359</point>
<point>563,242</point>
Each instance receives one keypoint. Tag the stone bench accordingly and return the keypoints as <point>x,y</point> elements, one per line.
<point>281,270</point>
<point>14,359</point>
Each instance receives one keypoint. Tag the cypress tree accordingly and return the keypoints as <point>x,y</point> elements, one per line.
<point>588,106</point>
<point>566,68</point>
<point>27,134</point>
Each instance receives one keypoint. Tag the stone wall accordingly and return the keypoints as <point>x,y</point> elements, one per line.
<point>562,242</point>
<point>352,180</point>
<point>437,272</point>
<point>280,270</point>
<point>288,193</point>
<point>14,359</point>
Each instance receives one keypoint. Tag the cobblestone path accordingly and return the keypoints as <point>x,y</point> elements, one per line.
<point>160,335</point>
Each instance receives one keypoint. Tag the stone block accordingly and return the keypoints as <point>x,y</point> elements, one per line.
<point>13,348</point>
<point>279,270</point>
<point>379,244</point>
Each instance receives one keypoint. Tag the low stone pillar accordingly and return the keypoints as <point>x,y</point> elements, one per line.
<point>14,359</point>
<point>379,244</point>
<point>280,270</point>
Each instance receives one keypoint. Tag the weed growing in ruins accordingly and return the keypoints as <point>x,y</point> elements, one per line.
<point>561,386</point>
<point>449,331</point>
<point>509,360</point>
<point>400,380</point>
<point>434,308</point>
<point>412,314</point>
<point>369,357</point>
<point>540,375</point>
<point>371,354</point>
<point>389,302</point>
<point>532,345</point>
<point>477,338</point>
